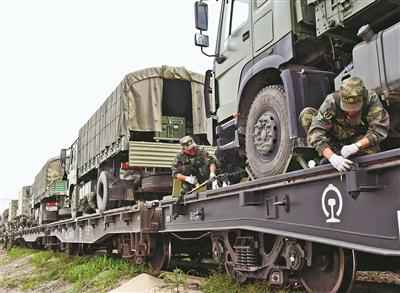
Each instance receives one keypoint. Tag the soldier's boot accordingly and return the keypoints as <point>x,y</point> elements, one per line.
<point>306,116</point>
<point>178,208</point>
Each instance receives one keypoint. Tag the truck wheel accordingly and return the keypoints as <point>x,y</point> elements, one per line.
<point>267,138</point>
<point>103,191</point>
<point>158,183</point>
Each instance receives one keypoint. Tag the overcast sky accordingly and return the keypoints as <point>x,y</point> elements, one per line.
<point>60,59</point>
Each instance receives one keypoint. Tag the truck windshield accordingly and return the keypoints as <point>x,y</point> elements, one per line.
<point>236,15</point>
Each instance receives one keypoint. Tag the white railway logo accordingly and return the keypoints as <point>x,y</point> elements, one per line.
<point>333,198</point>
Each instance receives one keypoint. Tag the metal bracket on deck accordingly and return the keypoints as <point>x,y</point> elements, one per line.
<point>273,203</point>
<point>250,198</point>
<point>197,215</point>
<point>93,222</point>
<point>271,210</point>
<point>127,217</point>
<point>360,180</point>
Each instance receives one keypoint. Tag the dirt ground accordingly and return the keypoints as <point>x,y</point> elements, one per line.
<point>20,268</point>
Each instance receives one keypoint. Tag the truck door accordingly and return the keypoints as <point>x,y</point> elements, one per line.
<point>263,25</point>
<point>236,48</point>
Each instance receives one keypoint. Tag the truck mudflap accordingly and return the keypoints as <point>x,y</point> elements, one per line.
<point>358,210</point>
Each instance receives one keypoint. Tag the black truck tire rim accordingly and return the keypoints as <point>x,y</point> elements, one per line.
<point>265,133</point>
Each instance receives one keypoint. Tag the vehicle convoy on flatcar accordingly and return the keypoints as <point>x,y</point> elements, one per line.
<point>284,221</point>
<point>125,150</point>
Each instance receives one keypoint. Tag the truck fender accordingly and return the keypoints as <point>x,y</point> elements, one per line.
<point>270,62</point>
<point>271,59</point>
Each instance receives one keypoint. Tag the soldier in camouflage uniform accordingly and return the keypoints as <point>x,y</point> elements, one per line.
<point>350,121</point>
<point>193,165</point>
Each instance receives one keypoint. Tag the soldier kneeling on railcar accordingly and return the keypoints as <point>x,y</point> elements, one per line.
<point>193,166</point>
<point>349,122</point>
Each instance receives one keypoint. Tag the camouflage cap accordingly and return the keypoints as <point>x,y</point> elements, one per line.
<point>187,141</point>
<point>352,92</point>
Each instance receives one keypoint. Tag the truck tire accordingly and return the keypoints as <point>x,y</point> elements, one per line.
<point>267,132</point>
<point>103,191</point>
<point>159,183</point>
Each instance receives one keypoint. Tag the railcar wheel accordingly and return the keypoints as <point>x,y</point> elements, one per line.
<point>267,132</point>
<point>160,254</point>
<point>332,271</point>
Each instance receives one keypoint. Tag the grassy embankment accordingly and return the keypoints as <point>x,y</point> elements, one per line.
<point>100,273</point>
<point>83,274</point>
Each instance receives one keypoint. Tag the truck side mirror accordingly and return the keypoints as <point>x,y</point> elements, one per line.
<point>201,15</point>
<point>201,40</point>
<point>63,157</point>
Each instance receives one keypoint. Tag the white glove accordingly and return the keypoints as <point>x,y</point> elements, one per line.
<point>191,179</point>
<point>339,163</point>
<point>349,150</point>
<point>214,185</point>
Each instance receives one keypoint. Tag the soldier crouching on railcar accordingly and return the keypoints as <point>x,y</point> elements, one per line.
<point>349,122</point>
<point>193,165</point>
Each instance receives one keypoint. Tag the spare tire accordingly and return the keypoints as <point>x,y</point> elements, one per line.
<point>103,191</point>
<point>158,183</point>
<point>267,132</point>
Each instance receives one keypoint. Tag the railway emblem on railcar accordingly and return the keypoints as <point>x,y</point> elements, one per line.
<point>332,203</point>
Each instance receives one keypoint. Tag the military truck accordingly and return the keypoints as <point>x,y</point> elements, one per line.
<point>4,217</point>
<point>273,58</point>
<point>12,209</point>
<point>24,211</point>
<point>25,201</point>
<point>125,150</point>
<point>49,191</point>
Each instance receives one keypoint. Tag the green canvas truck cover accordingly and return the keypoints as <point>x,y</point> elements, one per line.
<point>50,173</point>
<point>12,209</point>
<point>4,216</point>
<point>135,105</point>
<point>25,201</point>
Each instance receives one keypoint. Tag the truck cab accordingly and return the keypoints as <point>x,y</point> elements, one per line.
<point>69,162</point>
<point>274,58</point>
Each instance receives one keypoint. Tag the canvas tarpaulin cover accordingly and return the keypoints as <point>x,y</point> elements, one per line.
<point>136,105</point>
<point>50,172</point>
<point>24,201</point>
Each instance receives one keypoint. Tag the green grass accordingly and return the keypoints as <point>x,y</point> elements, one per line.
<point>101,273</point>
<point>15,253</point>
<point>223,283</point>
<point>85,274</point>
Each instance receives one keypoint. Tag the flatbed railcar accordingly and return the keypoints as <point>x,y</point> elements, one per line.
<point>314,226</point>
